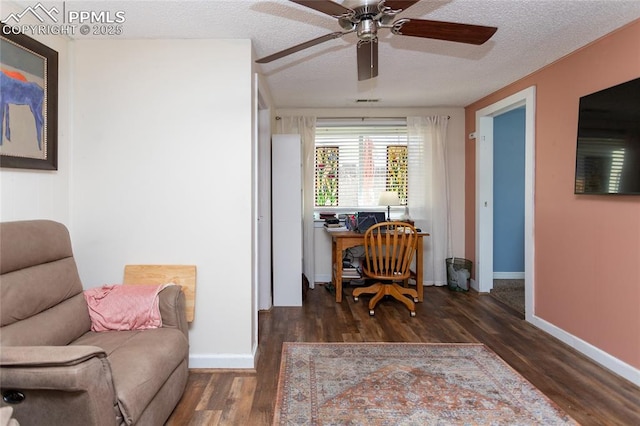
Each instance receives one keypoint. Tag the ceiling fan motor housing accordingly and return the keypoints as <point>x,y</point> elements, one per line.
<point>364,20</point>
<point>367,29</point>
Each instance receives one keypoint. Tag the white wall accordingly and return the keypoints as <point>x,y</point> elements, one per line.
<point>36,194</point>
<point>162,153</point>
<point>455,156</point>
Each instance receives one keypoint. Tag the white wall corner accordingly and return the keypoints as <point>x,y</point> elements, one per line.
<point>223,361</point>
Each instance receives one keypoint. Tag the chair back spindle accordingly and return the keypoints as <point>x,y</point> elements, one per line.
<point>389,250</point>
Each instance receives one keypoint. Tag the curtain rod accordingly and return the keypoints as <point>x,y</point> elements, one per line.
<point>358,118</point>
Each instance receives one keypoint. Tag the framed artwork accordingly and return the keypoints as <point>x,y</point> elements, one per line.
<point>28,103</point>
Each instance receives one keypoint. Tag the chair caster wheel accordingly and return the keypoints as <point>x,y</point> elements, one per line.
<point>355,299</point>
<point>412,313</point>
<point>371,312</point>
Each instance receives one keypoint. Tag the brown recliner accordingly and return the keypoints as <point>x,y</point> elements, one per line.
<point>53,369</point>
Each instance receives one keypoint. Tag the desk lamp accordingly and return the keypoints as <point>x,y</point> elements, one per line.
<point>389,198</point>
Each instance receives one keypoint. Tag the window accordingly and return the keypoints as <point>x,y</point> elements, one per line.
<point>355,161</point>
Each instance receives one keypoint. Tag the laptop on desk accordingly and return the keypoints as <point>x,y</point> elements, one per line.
<point>368,219</point>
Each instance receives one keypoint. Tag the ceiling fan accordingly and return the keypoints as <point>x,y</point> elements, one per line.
<point>368,16</point>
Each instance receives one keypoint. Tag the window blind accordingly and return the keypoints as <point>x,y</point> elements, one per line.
<point>356,160</point>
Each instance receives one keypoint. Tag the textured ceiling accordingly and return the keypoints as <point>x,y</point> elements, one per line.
<point>413,72</point>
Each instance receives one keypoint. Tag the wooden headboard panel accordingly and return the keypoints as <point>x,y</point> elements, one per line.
<point>183,275</point>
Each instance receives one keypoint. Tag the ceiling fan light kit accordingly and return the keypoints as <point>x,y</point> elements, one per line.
<point>367,17</point>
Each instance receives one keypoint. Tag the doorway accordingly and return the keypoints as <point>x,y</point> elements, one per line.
<point>508,208</point>
<point>485,196</point>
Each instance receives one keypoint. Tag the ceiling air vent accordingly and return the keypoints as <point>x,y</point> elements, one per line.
<point>367,101</point>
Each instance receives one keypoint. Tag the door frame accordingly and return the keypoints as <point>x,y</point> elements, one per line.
<point>484,192</point>
<point>262,185</point>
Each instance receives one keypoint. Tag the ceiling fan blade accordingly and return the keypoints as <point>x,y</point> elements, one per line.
<point>399,4</point>
<point>451,31</point>
<point>326,6</point>
<point>367,60</point>
<point>299,47</point>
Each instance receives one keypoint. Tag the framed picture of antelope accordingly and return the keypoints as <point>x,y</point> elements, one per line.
<point>28,102</point>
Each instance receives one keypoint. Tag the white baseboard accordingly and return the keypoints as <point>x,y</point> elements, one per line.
<point>508,275</point>
<point>323,278</point>
<point>598,355</point>
<point>222,361</point>
<point>473,284</point>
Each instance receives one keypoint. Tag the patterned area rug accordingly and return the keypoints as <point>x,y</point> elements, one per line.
<point>405,384</point>
<point>509,292</point>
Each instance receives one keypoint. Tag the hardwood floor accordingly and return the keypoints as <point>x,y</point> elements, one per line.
<point>589,393</point>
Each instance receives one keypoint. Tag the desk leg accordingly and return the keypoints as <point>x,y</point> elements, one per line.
<point>337,262</point>
<point>419,272</point>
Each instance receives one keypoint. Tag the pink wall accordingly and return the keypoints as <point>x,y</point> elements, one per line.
<point>587,248</point>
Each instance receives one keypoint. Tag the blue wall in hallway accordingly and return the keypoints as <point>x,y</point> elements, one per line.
<point>508,191</point>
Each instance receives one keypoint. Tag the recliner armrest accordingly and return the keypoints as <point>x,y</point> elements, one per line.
<point>172,309</point>
<point>59,385</point>
<point>47,356</point>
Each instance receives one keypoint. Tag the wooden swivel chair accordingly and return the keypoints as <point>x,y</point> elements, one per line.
<point>389,249</point>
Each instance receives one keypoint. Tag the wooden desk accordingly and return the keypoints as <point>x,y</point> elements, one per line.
<point>343,240</point>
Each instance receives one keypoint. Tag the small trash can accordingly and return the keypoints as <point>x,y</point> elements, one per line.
<point>458,273</point>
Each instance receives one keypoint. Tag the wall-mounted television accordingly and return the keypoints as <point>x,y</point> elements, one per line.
<point>608,151</point>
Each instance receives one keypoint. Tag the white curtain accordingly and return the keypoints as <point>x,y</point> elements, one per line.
<point>428,197</point>
<point>306,128</point>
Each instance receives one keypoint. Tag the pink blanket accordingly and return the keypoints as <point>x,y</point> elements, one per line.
<point>124,307</point>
